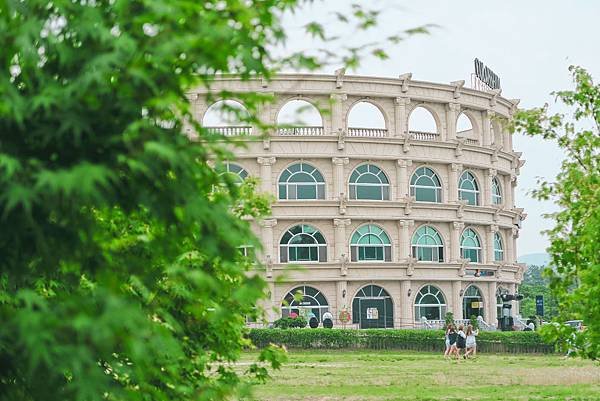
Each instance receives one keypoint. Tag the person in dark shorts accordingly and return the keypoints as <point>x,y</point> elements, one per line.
<point>461,341</point>
<point>452,336</point>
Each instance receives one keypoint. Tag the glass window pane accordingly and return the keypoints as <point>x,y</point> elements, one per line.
<point>368,192</point>
<point>307,192</point>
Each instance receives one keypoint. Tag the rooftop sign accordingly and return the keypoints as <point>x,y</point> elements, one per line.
<point>485,75</point>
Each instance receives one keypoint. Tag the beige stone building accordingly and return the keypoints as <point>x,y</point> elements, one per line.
<point>394,223</point>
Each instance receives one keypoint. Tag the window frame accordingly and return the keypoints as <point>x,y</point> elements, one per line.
<point>476,192</point>
<point>355,248</point>
<point>415,246</point>
<point>414,187</point>
<point>319,186</point>
<point>464,249</point>
<point>384,188</point>
<point>319,248</point>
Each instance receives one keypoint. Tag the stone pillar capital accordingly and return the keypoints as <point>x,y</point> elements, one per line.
<point>406,223</point>
<point>458,225</point>
<point>341,222</point>
<point>515,232</point>
<point>403,163</point>
<point>338,97</point>
<point>340,161</point>
<point>405,101</point>
<point>266,161</point>
<point>455,107</point>
<point>493,228</point>
<point>456,166</point>
<point>491,172</point>
<point>489,114</point>
<point>268,223</point>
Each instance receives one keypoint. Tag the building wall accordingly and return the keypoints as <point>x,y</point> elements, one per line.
<point>336,151</point>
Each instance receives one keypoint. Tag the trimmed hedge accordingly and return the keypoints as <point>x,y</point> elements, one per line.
<point>416,340</point>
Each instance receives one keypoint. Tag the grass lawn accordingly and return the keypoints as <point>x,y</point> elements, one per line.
<point>395,375</point>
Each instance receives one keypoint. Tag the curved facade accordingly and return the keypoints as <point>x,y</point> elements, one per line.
<point>395,225</point>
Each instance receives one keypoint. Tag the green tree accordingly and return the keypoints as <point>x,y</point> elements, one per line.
<point>536,283</point>
<point>120,276</point>
<point>575,238</point>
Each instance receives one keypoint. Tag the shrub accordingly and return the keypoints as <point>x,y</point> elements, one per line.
<point>417,340</point>
<point>449,317</point>
<point>290,322</point>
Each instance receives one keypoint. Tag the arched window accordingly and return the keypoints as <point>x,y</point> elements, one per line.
<point>372,307</point>
<point>464,128</point>
<point>425,186</point>
<point>365,119</point>
<point>369,182</point>
<point>237,172</point>
<point>301,181</point>
<point>470,246</point>
<point>299,117</point>
<point>498,248</point>
<point>227,117</point>
<point>430,303</point>
<point>370,243</point>
<point>305,301</point>
<point>472,302</point>
<point>468,189</point>
<point>427,245</point>
<point>422,125</point>
<point>496,192</point>
<point>302,243</point>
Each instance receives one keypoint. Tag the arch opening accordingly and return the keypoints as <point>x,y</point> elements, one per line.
<point>227,117</point>
<point>366,119</point>
<point>299,117</point>
<point>305,301</point>
<point>372,308</point>
<point>422,125</point>
<point>465,128</point>
<point>430,303</point>
<point>302,243</point>
<point>472,303</point>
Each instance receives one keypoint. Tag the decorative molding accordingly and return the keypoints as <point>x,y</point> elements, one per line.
<point>339,77</point>
<point>404,78</point>
<point>406,144</point>
<point>458,85</point>
<point>410,268</point>
<point>458,225</point>
<point>461,209</point>
<point>404,163</point>
<point>341,222</point>
<point>266,161</point>
<point>460,142</point>
<point>341,139</point>
<point>268,223</point>
<point>343,205</point>
<point>402,100</point>
<point>456,167</point>
<point>340,161</point>
<point>494,98</point>
<point>455,107</point>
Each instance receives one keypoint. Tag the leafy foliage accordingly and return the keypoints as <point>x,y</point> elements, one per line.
<point>290,322</point>
<point>575,238</point>
<point>536,283</point>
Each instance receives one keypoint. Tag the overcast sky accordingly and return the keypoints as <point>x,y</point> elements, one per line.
<point>529,44</point>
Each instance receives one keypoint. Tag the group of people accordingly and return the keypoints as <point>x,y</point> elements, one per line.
<point>459,341</point>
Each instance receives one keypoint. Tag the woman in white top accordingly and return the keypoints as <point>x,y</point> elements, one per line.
<point>471,342</point>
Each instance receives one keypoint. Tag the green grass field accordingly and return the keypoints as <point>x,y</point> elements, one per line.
<point>392,375</point>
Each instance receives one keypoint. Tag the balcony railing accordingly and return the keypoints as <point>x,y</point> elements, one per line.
<point>231,130</point>
<point>424,136</point>
<point>368,132</point>
<point>300,131</point>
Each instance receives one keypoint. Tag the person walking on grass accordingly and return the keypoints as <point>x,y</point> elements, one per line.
<point>447,340</point>
<point>471,343</point>
<point>452,336</point>
<point>460,341</point>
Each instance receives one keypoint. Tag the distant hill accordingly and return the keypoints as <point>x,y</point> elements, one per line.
<point>537,259</point>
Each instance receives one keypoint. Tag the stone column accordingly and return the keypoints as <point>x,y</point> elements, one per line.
<point>456,300</point>
<point>267,239</point>
<point>486,128</point>
<point>513,241</point>
<point>508,247</point>
<point>403,181</point>
<point>452,111</point>
<point>404,239</point>
<point>511,190</point>
<point>341,245</point>
<point>339,183</point>
<point>487,187</point>
<point>489,246</point>
<point>453,171</point>
<point>338,122</point>
<point>506,138</point>
<point>407,319</point>
<point>401,120</point>
<point>266,176</point>
<point>507,187</point>
<point>457,228</point>
<point>271,306</point>
<point>343,302</point>
<point>492,311</point>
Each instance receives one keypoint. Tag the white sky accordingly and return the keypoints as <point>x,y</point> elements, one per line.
<point>529,44</point>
